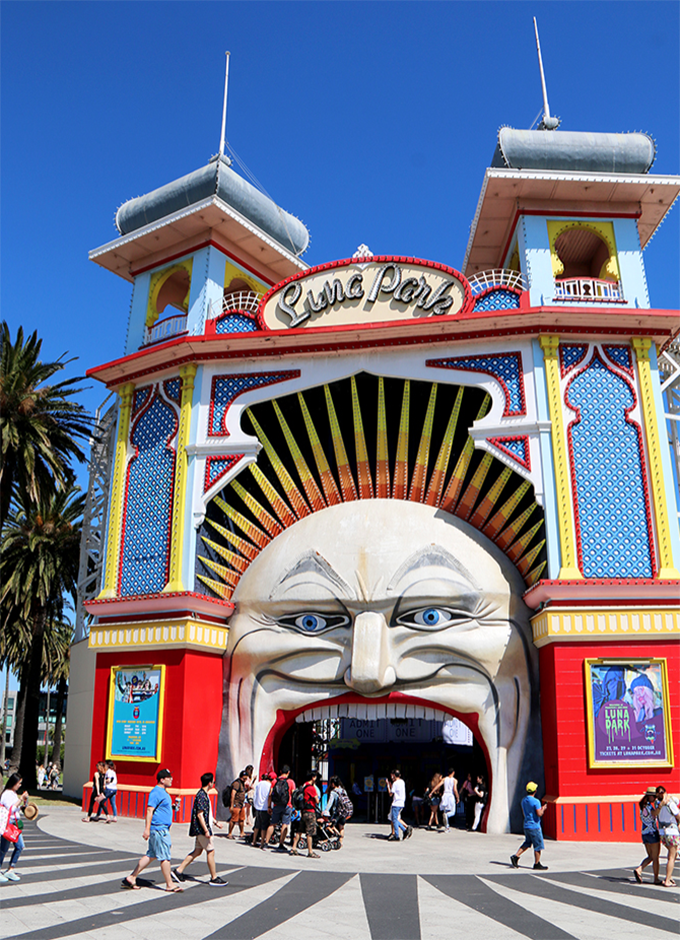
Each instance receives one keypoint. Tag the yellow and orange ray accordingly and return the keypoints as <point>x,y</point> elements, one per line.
<point>228,576</point>
<point>328,484</point>
<point>276,501</point>
<point>419,478</point>
<point>245,525</point>
<point>382,465</point>
<point>450,497</point>
<point>222,590</point>
<point>267,521</point>
<point>474,487</point>
<point>293,494</point>
<point>535,574</point>
<point>312,491</point>
<point>500,518</point>
<point>243,546</point>
<point>511,531</point>
<point>524,564</point>
<point>520,545</point>
<point>347,486</point>
<point>236,561</point>
<point>363,466</point>
<point>400,484</point>
<point>483,511</point>
<point>434,490</point>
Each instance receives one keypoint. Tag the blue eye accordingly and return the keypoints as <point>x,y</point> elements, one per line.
<point>430,617</point>
<point>313,622</point>
<point>310,622</point>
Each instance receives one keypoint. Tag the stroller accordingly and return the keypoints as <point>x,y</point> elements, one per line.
<point>327,837</point>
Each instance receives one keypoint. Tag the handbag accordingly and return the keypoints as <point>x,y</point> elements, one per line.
<point>11,833</point>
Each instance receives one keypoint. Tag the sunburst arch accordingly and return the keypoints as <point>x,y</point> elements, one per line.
<point>367,437</point>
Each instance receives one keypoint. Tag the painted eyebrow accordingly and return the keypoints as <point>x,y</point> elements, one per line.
<point>425,557</point>
<point>313,563</point>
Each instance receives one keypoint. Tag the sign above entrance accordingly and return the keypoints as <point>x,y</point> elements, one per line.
<point>354,292</point>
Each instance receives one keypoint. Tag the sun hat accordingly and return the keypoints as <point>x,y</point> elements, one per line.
<point>532,787</point>
<point>31,811</point>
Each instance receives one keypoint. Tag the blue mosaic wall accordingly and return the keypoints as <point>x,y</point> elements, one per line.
<point>148,509</point>
<point>498,300</point>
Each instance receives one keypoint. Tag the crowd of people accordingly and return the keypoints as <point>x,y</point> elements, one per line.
<point>48,776</point>
<point>441,800</point>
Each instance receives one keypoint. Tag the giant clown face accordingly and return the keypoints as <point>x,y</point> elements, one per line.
<point>380,602</point>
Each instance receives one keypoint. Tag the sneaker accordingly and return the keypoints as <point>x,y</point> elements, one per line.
<point>3,880</point>
<point>409,832</point>
<point>514,861</point>
<point>177,876</point>
<point>281,848</point>
<point>11,875</point>
<point>539,867</point>
<point>392,838</point>
<point>218,882</point>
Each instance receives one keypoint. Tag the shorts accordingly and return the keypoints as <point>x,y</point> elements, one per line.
<point>533,838</point>
<point>308,823</point>
<point>670,839</point>
<point>160,846</point>
<point>262,819</point>
<point>650,838</point>
<point>434,801</point>
<point>282,815</point>
<point>337,823</point>
<point>238,814</point>
<point>204,843</point>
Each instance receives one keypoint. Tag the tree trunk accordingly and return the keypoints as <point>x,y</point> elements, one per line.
<point>29,740</point>
<point>56,744</point>
<point>18,722</point>
<point>4,723</point>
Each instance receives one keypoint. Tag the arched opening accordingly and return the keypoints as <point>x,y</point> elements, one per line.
<point>174,292</point>
<point>583,254</point>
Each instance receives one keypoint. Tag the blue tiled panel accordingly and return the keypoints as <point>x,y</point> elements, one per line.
<point>236,323</point>
<point>506,368</point>
<point>498,300</point>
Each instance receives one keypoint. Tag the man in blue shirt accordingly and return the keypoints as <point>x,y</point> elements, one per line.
<point>157,832</point>
<point>533,835</point>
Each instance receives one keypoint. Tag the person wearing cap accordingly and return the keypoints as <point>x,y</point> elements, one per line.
<point>650,836</point>
<point>533,835</point>
<point>157,833</point>
<point>201,824</point>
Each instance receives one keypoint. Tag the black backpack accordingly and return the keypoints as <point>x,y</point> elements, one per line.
<point>299,798</point>
<point>226,796</point>
<point>281,792</point>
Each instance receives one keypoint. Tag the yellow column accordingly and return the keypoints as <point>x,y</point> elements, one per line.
<point>565,512</point>
<point>110,586</point>
<point>663,533</point>
<point>187,374</point>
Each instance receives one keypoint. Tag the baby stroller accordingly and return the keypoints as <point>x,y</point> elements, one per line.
<point>327,837</point>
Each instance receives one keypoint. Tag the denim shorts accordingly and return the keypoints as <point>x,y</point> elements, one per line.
<point>159,844</point>
<point>282,814</point>
<point>650,838</point>
<point>533,838</point>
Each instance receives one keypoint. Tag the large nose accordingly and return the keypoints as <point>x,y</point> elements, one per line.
<point>371,668</point>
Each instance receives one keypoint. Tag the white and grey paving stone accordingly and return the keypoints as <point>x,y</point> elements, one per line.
<point>432,886</point>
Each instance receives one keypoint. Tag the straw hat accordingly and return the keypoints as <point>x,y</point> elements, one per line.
<point>31,811</point>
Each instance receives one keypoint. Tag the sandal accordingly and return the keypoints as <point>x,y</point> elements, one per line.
<point>129,886</point>
<point>638,876</point>
<point>174,889</point>
<point>313,855</point>
<point>668,884</point>
<point>293,852</point>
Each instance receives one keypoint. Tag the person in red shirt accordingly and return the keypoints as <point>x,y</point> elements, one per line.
<point>309,812</point>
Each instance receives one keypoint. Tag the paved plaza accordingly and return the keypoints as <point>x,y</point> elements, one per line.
<point>435,885</point>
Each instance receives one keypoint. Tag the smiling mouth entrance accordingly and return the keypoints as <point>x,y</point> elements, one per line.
<point>362,741</point>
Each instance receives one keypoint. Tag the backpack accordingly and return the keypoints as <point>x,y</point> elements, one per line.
<point>226,796</point>
<point>299,798</point>
<point>281,792</point>
<point>345,805</point>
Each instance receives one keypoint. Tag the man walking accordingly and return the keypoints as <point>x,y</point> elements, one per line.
<point>397,790</point>
<point>533,834</point>
<point>236,805</point>
<point>201,824</point>
<point>157,833</point>
<point>310,799</point>
<point>281,808</point>
<point>261,793</point>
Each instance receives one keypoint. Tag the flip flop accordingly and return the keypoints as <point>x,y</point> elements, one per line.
<point>174,889</point>
<point>129,886</point>
<point>671,884</point>
<point>638,876</point>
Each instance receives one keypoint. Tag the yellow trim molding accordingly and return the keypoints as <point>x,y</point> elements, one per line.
<point>187,374</point>
<point>232,273</point>
<point>667,571</point>
<point>565,511</point>
<point>110,586</point>
<point>185,633</point>
<point>605,230</point>
<point>581,624</point>
<point>158,280</point>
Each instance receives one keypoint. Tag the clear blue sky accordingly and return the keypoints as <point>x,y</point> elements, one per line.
<point>373,122</point>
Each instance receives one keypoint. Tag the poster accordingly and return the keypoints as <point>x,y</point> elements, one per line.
<point>135,713</point>
<point>628,713</point>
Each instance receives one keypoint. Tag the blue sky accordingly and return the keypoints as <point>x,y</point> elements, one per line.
<point>373,122</point>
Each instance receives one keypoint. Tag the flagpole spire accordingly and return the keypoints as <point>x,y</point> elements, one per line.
<point>549,123</point>
<point>224,106</point>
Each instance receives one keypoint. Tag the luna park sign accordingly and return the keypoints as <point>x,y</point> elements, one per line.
<point>355,292</point>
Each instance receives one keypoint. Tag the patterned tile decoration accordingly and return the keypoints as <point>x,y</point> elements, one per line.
<point>497,299</point>
<point>505,368</point>
<point>148,502</point>
<point>216,467</point>
<point>236,323</point>
<point>225,388</point>
<point>515,447</point>
<point>140,398</point>
<point>570,356</point>
<point>620,356</point>
<point>172,389</point>
<point>611,502</point>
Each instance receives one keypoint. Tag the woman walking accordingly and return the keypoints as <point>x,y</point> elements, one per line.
<point>97,795</point>
<point>481,794</point>
<point>450,798</point>
<point>433,796</point>
<point>667,812</point>
<point>650,837</point>
<point>110,790</point>
<point>10,804</point>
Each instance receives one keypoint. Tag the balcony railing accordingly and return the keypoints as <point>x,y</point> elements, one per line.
<point>498,277</point>
<point>588,289</point>
<point>240,300</point>
<point>166,329</point>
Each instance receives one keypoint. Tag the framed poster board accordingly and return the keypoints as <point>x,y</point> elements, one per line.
<point>628,713</point>
<point>135,720</point>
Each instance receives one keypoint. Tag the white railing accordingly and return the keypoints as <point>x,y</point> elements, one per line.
<point>240,300</point>
<point>165,329</point>
<point>498,277</point>
<point>587,288</point>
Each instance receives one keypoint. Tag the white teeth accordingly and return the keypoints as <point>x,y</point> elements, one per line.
<point>366,711</point>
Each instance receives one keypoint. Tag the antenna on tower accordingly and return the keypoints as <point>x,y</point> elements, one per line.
<point>549,122</point>
<point>224,106</point>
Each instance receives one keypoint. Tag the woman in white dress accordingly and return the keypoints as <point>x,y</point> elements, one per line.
<point>450,798</point>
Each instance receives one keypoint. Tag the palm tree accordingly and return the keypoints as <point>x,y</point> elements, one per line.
<point>57,662</point>
<point>39,424</point>
<point>38,566</point>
